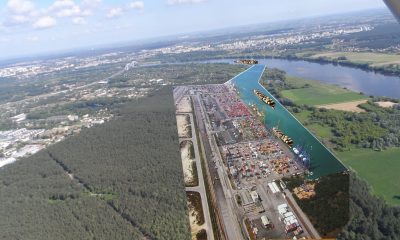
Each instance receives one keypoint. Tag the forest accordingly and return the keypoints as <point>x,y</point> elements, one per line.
<point>370,217</point>
<point>121,180</point>
<point>328,210</point>
<point>40,201</point>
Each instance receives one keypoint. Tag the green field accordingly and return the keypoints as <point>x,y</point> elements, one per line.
<point>314,93</point>
<point>372,59</point>
<point>379,169</point>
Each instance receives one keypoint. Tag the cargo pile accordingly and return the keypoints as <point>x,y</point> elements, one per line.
<point>305,191</point>
<point>289,219</point>
<point>281,165</point>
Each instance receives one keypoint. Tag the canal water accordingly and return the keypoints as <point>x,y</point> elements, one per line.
<point>323,162</point>
<point>358,80</point>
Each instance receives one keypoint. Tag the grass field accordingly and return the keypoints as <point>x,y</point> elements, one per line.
<point>324,134</point>
<point>317,93</point>
<point>373,59</point>
<point>379,169</point>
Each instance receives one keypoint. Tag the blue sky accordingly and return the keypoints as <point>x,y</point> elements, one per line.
<point>32,27</point>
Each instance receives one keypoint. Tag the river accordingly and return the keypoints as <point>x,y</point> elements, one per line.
<point>358,80</point>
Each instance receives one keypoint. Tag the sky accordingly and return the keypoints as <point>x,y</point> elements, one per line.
<point>30,27</point>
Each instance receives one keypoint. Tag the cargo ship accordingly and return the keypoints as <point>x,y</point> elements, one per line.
<point>265,98</point>
<point>283,137</point>
<point>246,61</point>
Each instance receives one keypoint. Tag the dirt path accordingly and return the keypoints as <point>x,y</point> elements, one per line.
<point>187,161</point>
<point>386,104</point>
<point>184,127</point>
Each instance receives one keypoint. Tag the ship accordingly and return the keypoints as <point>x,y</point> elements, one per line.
<point>265,98</point>
<point>282,136</point>
<point>246,61</point>
<point>302,156</point>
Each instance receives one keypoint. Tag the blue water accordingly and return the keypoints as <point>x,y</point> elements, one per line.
<point>323,162</point>
<point>358,80</point>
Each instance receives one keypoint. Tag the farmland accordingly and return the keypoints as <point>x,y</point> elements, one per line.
<point>372,59</point>
<point>315,93</point>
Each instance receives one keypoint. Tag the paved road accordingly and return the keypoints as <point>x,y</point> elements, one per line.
<point>201,187</point>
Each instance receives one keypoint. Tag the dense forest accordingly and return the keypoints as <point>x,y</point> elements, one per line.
<point>370,217</point>
<point>40,201</point>
<point>125,181</point>
<point>328,210</point>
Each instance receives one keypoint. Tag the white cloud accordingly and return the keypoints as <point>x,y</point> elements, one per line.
<point>60,4</point>
<point>114,12</point>
<point>45,22</point>
<point>68,8</point>
<point>19,19</point>
<point>24,12</point>
<point>5,39</point>
<point>91,3</point>
<point>79,21</point>
<point>119,11</point>
<point>20,6</point>
<point>178,2</point>
<point>69,12</point>
<point>136,5</point>
<point>33,38</point>
<point>19,12</point>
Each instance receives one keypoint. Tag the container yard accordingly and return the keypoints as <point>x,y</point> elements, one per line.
<point>250,161</point>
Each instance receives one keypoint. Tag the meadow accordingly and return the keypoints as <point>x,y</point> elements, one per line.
<point>379,169</point>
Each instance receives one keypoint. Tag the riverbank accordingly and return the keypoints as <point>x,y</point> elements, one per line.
<point>370,83</point>
<point>386,64</point>
<point>378,62</point>
<point>368,164</point>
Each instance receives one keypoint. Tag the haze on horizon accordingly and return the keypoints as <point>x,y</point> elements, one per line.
<point>36,27</point>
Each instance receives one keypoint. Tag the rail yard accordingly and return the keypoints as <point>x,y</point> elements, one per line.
<point>245,161</point>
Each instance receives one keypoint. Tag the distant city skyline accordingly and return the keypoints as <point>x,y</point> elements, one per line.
<point>37,27</point>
